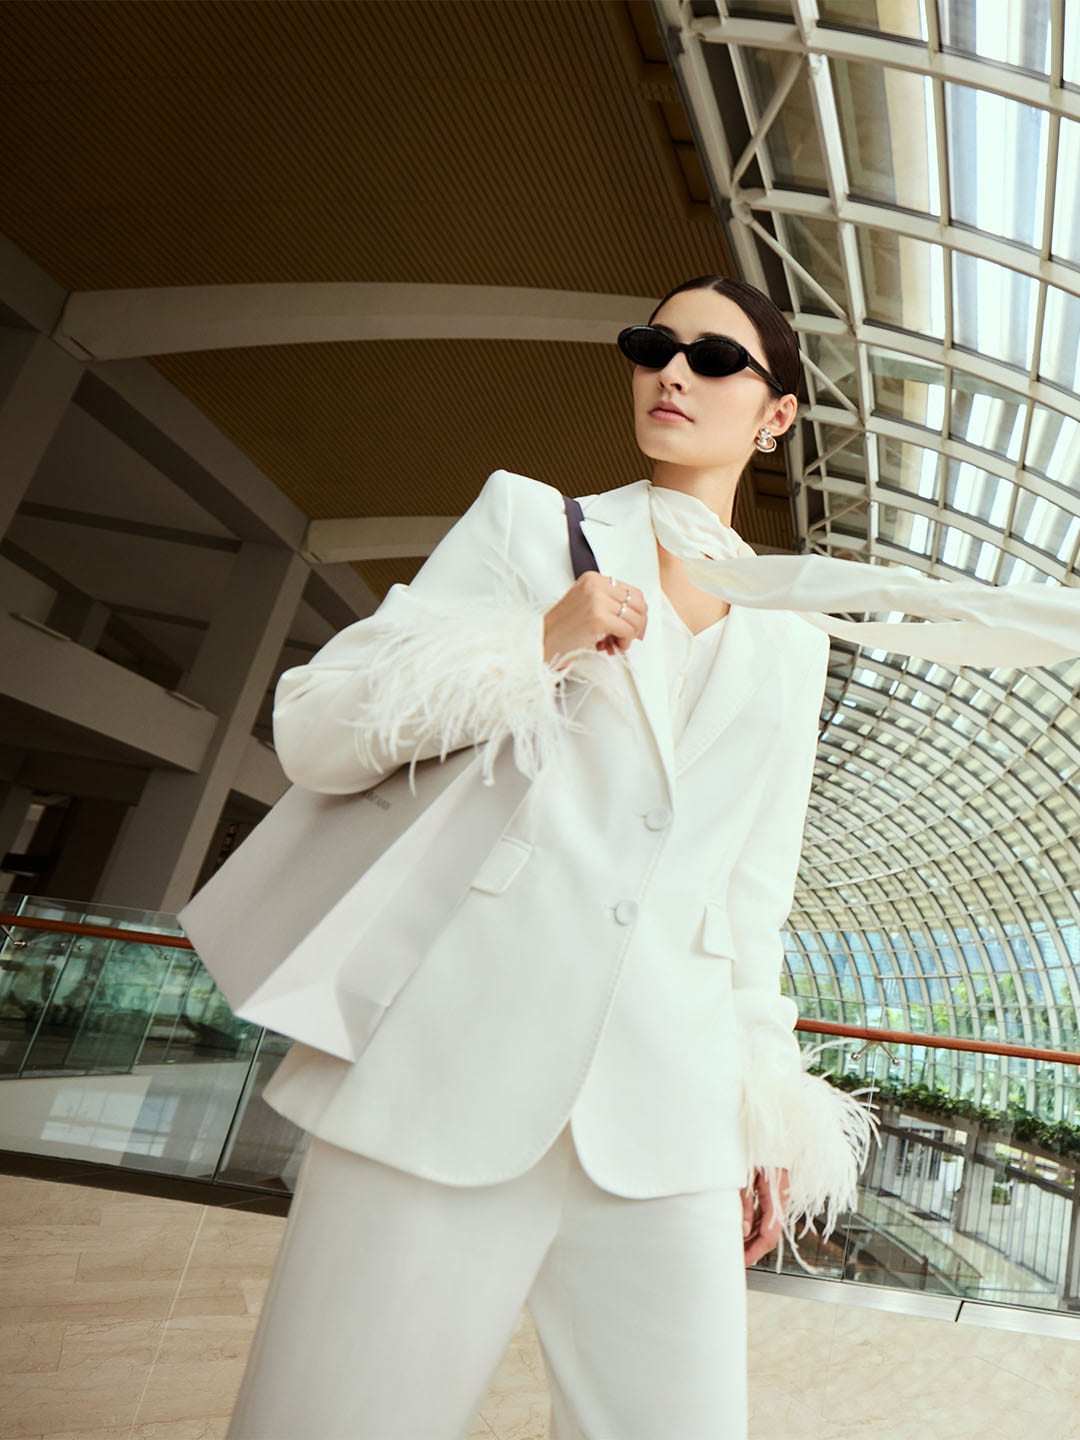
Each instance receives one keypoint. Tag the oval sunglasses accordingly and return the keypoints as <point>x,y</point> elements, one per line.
<point>711,355</point>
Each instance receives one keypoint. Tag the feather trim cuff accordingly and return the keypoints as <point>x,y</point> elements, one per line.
<point>800,1123</point>
<point>466,673</point>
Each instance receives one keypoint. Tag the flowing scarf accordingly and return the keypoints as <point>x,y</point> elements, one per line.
<point>1021,625</point>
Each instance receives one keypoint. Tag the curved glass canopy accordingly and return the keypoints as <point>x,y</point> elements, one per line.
<point>904,177</point>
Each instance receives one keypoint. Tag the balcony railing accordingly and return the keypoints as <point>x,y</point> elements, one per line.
<point>118,1048</point>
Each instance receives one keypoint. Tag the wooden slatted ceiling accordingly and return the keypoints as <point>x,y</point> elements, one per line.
<point>460,143</point>
<point>496,142</point>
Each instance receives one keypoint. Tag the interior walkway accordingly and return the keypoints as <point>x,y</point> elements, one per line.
<point>127,1317</point>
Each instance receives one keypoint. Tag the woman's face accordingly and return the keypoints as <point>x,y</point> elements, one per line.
<point>724,413</point>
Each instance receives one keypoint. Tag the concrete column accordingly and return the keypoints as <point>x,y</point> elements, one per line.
<point>160,851</point>
<point>971,1204</point>
<point>14,803</point>
<point>37,381</point>
<point>1071,1297</point>
<point>89,835</point>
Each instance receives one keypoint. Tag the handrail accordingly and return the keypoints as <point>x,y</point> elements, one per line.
<point>937,1042</point>
<point>102,932</point>
<point>813,1027</point>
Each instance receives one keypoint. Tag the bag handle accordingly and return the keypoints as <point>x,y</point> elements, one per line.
<point>581,552</point>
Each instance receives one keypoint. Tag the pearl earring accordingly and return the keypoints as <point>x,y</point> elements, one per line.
<point>764,441</point>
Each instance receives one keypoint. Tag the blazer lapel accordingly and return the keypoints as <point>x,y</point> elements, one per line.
<point>746,655</point>
<point>617,526</point>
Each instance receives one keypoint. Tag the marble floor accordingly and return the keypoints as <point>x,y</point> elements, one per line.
<point>127,1317</point>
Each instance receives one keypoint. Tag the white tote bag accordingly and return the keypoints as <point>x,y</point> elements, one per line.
<point>315,922</point>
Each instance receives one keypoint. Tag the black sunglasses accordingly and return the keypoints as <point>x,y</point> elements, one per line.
<point>712,355</point>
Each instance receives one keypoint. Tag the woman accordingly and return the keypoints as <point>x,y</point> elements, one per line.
<point>589,1096</point>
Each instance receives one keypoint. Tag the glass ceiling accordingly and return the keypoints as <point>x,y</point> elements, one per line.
<point>903,176</point>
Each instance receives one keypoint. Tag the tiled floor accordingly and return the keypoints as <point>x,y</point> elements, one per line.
<point>124,1317</point>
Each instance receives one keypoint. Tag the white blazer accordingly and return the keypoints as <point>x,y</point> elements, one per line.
<point>617,959</point>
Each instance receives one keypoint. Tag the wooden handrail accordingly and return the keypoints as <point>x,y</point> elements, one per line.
<point>102,932</point>
<point>812,1027</point>
<point>937,1042</point>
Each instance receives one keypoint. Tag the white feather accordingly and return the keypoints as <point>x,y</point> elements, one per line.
<point>468,673</point>
<point>822,1135</point>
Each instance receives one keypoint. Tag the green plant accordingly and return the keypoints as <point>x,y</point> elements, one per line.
<point>1057,1137</point>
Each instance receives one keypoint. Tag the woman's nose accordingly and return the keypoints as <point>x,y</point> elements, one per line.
<point>676,370</point>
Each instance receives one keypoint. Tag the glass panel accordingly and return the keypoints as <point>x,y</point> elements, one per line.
<point>1009,32</point>
<point>264,1148</point>
<point>898,526</point>
<point>997,163</point>
<point>792,145</point>
<point>887,128</point>
<point>123,1051</point>
<point>887,17</point>
<point>961,551</point>
<point>761,9</point>
<point>1066,244</point>
<point>1015,571</point>
<point>908,467</point>
<point>908,389</point>
<point>32,963</point>
<point>1054,446</point>
<point>904,281</point>
<point>192,1022</point>
<point>846,451</point>
<point>1060,363</point>
<point>994,310</point>
<point>1046,526</point>
<point>847,520</point>
<point>119,1005</point>
<point>974,492</point>
<point>969,1190</point>
<point>1071,72</point>
<point>816,246</point>
<point>836,359</point>
<point>987,416</point>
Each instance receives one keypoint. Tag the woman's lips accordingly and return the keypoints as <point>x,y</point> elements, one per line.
<point>657,414</point>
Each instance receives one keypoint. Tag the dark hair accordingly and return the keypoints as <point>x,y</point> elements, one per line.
<point>778,340</point>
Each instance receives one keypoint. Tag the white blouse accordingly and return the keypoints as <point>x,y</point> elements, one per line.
<point>690,660</point>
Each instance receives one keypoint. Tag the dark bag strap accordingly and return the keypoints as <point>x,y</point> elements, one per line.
<point>581,552</point>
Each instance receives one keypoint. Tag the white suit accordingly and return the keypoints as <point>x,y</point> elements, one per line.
<point>618,957</point>
<point>600,1018</point>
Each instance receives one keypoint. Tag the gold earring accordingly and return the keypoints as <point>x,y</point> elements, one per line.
<point>764,441</point>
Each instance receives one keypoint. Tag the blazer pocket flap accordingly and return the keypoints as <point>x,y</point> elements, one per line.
<point>501,865</point>
<point>716,936</point>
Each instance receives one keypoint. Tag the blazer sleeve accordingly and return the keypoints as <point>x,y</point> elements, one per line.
<point>454,659</point>
<point>792,1120</point>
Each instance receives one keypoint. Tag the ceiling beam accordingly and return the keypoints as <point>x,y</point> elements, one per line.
<point>124,324</point>
<point>65,515</point>
<point>376,537</point>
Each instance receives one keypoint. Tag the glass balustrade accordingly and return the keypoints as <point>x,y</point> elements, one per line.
<point>117,1048</point>
<point>964,1197</point>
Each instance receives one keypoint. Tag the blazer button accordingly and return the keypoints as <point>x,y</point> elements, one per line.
<point>626,912</point>
<point>658,819</point>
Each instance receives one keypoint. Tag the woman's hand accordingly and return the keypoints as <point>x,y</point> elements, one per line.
<point>597,612</point>
<point>761,1220</point>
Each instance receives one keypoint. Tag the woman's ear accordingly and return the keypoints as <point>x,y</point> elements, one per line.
<point>780,414</point>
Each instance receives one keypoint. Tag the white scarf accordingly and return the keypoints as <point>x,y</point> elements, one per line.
<point>1020,625</point>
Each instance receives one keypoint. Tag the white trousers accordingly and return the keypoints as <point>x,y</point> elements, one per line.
<point>394,1297</point>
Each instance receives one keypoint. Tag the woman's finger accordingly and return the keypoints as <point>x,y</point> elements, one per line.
<point>764,1234</point>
